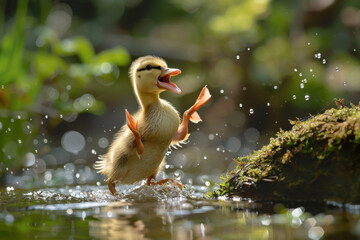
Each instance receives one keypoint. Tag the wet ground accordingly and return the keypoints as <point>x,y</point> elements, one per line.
<point>165,212</point>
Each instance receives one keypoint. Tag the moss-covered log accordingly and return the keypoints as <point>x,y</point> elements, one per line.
<point>318,159</point>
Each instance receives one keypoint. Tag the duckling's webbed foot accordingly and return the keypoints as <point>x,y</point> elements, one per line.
<point>111,186</point>
<point>133,125</point>
<point>192,115</point>
<point>161,182</point>
<point>203,98</point>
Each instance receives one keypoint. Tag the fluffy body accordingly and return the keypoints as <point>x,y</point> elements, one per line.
<point>122,165</point>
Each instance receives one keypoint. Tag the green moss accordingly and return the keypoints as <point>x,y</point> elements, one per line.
<point>318,159</point>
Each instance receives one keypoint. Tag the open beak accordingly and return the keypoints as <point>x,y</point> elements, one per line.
<point>164,80</point>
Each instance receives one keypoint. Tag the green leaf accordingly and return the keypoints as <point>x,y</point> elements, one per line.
<point>79,46</point>
<point>47,65</point>
<point>11,47</point>
<point>118,56</point>
<point>85,50</point>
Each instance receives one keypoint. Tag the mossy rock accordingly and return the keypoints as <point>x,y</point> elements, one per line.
<point>317,160</point>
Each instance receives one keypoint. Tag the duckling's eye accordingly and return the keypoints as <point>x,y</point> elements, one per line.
<point>149,67</point>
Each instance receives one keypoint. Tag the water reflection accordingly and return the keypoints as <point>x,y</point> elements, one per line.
<point>165,212</point>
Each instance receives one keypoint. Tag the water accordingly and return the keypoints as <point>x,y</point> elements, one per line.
<point>164,212</point>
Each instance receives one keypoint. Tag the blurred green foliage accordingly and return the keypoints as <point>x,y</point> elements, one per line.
<point>49,81</point>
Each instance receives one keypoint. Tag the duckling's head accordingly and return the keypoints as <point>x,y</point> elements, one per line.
<point>150,75</point>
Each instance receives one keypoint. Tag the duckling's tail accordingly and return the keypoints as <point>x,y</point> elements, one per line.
<point>100,164</point>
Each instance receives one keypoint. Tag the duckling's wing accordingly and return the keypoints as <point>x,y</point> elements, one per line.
<point>178,144</point>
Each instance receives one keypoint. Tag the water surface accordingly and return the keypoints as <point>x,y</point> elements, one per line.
<point>164,212</point>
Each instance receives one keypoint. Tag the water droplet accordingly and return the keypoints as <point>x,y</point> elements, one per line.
<point>318,55</point>
<point>103,142</point>
<point>295,70</point>
<point>29,159</point>
<point>240,105</point>
<point>222,91</point>
<point>233,144</point>
<point>268,104</point>
<point>345,83</point>
<point>83,215</point>
<point>248,49</point>
<point>176,174</point>
<point>48,176</point>
<point>308,44</point>
<point>98,183</point>
<point>61,116</point>
<point>93,151</point>
<point>294,96</point>
<point>251,135</point>
<point>307,97</point>
<point>297,212</point>
<point>9,219</point>
<point>106,68</point>
<point>305,80</point>
<point>73,141</point>
<point>316,232</point>
<point>337,69</point>
<point>19,141</point>
<point>87,100</point>
<point>211,136</point>
<point>251,111</point>
<point>46,116</point>
<point>301,85</point>
<point>205,157</point>
<point>324,61</point>
<point>266,221</point>
<point>300,74</point>
<point>237,57</point>
<point>311,70</point>
<point>275,87</point>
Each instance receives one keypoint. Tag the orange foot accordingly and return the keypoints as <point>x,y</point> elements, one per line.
<point>192,115</point>
<point>161,182</point>
<point>133,125</point>
<point>203,98</point>
<point>112,189</point>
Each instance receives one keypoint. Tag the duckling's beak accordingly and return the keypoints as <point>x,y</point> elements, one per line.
<point>164,79</point>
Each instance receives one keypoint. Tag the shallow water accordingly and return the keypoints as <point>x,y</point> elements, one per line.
<point>163,212</point>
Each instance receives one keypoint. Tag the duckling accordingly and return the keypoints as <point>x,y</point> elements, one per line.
<point>139,148</point>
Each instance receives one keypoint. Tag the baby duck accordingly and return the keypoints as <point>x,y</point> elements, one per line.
<point>139,148</point>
